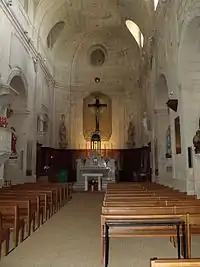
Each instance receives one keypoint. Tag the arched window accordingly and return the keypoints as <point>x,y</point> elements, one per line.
<point>136,32</point>
<point>155,4</point>
<point>54,34</point>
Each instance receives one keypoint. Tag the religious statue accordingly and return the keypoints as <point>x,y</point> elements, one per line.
<point>168,143</point>
<point>146,129</point>
<point>145,123</point>
<point>131,134</point>
<point>13,143</point>
<point>196,141</point>
<point>40,123</point>
<point>63,133</point>
<point>9,112</point>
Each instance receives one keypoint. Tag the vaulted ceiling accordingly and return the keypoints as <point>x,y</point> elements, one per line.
<point>89,22</point>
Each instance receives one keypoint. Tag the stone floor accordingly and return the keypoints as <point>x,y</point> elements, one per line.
<point>72,238</point>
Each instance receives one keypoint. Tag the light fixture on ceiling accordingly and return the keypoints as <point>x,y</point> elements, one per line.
<point>97,80</point>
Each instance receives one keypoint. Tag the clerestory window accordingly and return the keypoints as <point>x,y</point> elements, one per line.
<point>136,32</point>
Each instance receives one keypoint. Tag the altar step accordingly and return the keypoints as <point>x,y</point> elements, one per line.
<point>80,186</point>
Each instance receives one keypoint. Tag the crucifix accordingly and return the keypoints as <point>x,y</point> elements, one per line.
<point>97,106</point>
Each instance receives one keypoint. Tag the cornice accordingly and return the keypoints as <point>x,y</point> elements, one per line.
<point>27,42</point>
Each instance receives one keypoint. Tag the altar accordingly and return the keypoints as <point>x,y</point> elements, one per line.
<point>99,169</point>
<point>96,168</point>
<point>93,175</point>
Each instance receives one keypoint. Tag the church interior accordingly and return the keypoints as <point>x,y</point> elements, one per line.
<point>99,133</point>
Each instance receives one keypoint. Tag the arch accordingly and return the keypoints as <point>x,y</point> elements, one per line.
<point>54,34</point>
<point>20,101</point>
<point>16,71</point>
<point>155,4</point>
<point>161,92</point>
<point>135,31</point>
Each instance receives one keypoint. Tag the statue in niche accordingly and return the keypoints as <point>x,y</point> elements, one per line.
<point>146,129</point>
<point>13,144</point>
<point>42,123</point>
<point>63,133</point>
<point>168,143</point>
<point>131,134</point>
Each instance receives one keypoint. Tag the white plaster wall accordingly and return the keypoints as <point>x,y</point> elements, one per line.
<point>17,56</point>
<point>181,68</point>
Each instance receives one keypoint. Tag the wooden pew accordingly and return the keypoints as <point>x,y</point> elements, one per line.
<point>128,204</point>
<point>4,238</point>
<point>25,211</point>
<point>60,192</point>
<point>11,219</point>
<point>175,263</point>
<point>50,196</point>
<point>36,206</point>
<point>38,200</point>
<point>25,203</point>
<point>46,201</point>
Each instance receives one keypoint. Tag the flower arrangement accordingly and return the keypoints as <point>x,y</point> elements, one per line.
<point>3,122</point>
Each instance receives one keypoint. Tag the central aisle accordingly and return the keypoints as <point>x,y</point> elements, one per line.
<point>72,238</point>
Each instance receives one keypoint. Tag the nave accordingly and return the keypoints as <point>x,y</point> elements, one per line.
<point>72,238</point>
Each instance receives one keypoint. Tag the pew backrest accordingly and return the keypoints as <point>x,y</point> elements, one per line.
<point>175,263</point>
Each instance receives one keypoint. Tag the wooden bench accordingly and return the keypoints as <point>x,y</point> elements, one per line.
<point>38,201</point>
<point>4,238</point>
<point>175,263</point>
<point>25,211</point>
<point>22,205</point>
<point>137,202</point>
<point>11,219</point>
<point>46,201</point>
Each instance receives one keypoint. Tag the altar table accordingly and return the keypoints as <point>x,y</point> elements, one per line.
<point>97,175</point>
